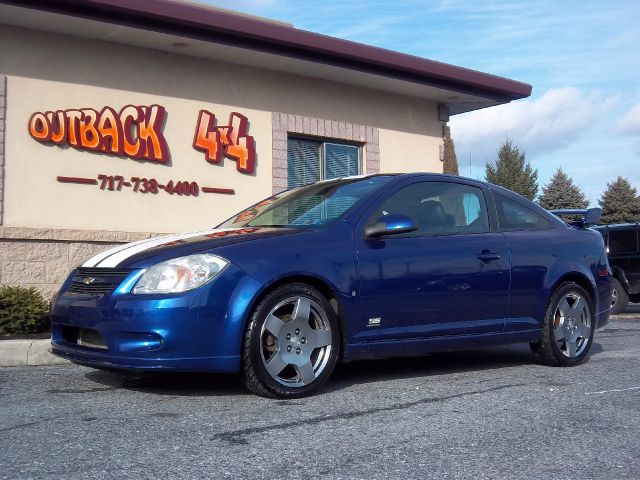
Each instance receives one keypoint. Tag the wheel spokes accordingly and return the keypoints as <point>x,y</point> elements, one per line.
<point>276,364</point>
<point>579,307</point>
<point>274,325</point>
<point>571,347</point>
<point>296,341</point>
<point>564,307</point>
<point>583,331</point>
<point>302,310</point>
<point>306,375</point>
<point>320,338</point>
<point>560,333</point>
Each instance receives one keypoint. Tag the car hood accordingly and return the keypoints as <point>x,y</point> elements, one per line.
<point>148,252</point>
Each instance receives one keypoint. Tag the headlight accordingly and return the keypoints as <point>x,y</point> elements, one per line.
<point>180,274</point>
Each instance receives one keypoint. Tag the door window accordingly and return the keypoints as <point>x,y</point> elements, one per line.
<point>439,208</point>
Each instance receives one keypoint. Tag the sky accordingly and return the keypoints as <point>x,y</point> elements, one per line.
<point>581,57</point>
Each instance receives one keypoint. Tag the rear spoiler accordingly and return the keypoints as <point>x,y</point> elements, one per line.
<point>590,216</point>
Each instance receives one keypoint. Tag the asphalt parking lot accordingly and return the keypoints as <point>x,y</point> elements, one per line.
<point>482,414</point>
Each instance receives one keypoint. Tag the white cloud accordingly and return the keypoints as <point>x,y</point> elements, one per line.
<point>629,124</point>
<point>545,124</point>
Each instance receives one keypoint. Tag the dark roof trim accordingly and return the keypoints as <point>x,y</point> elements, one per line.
<point>200,22</point>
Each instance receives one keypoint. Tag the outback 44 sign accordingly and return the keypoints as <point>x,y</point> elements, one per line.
<point>135,131</point>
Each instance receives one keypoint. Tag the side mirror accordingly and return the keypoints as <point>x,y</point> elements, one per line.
<point>392,224</point>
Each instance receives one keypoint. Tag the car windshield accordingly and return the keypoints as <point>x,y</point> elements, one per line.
<point>311,206</point>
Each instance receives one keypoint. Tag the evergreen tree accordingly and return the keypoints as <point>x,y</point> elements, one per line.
<point>512,171</point>
<point>450,160</point>
<point>561,192</point>
<point>620,202</point>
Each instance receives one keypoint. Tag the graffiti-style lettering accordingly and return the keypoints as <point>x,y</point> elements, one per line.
<point>230,141</point>
<point>111,131</point>
<point>150,134</point>
<point>58,126</point>
<point>130,116</point>
<point>89,136</point>
<point>39,127</point>
<point>73,126</point>
<point>135,132</point>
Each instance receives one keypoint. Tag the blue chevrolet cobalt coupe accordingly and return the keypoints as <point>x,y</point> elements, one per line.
<point>340,270</point>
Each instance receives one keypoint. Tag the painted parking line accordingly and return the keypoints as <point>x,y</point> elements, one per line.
<point>613,391</point>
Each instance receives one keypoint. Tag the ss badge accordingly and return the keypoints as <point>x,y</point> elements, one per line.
<point>374,322</point>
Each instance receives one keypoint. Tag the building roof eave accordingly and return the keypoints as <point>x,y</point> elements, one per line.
<point>223,27</point>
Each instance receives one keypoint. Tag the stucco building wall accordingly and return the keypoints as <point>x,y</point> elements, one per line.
<point>42,71</point>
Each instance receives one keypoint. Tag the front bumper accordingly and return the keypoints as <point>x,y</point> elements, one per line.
<point>199,330</point>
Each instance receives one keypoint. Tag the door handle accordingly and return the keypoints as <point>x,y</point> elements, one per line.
<point>487,256</point>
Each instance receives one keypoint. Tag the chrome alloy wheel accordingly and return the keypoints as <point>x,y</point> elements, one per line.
<point>296,341</point>
<point>572,325</point>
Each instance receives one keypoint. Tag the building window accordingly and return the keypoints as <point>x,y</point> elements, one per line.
<point>309,160</point>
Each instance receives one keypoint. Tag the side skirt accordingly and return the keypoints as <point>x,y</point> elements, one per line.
<point>419,346</point>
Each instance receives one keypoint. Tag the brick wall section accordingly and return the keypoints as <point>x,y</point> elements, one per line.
<point>286,123</point>
<point>43,258</point>
<point>3,108</point>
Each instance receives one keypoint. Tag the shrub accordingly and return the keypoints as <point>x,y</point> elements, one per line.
<point>22,310</point>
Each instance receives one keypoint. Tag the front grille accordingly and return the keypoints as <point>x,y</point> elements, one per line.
<point>97,280</point>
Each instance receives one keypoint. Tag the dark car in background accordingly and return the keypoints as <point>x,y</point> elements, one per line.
<point>347,269</point>
<point>624,257</point>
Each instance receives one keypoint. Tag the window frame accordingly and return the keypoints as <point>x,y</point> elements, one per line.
<point>322,141</point>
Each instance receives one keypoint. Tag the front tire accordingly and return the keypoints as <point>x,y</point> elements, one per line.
<point>567,328</point>
<point>291,343</point>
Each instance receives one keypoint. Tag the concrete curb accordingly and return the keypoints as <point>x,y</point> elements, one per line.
<point>21,353</point>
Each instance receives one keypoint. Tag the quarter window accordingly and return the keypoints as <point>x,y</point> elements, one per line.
<point>439,208</point>
<point>514,216</point>
<point>309,161</point>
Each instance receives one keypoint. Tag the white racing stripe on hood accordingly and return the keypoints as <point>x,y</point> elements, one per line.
<point>93,261</point>
<point>111,258</point>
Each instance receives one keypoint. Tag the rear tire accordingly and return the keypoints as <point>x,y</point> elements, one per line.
<point>567,328</point>
<point>619,298</point>
<point>291,344</point>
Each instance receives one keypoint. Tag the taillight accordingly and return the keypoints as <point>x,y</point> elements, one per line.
<point>604,269</point>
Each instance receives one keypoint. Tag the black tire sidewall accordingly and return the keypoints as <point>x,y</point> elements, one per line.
<point>623,298</point>
<point>253,340</point>
<point>558,294</point>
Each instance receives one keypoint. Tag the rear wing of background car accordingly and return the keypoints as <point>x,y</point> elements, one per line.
<point>590,216</point>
